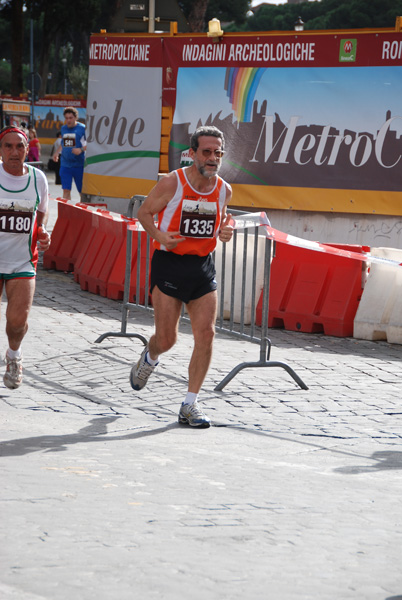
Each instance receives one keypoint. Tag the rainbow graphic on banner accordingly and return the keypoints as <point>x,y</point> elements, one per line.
<point>241,84</point>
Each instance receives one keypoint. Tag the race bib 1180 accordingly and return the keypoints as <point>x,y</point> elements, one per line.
<point>16,223</point>
<point>16,216</point>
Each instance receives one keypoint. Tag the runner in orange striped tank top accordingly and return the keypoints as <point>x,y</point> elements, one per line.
<point>191,207</point>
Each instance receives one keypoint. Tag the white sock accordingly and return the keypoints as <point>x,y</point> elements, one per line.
<point>14,353</point>
<point>150,360</point>
<point>190,398</point>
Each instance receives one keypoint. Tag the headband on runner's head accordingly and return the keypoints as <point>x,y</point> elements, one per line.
<point>13,130</point>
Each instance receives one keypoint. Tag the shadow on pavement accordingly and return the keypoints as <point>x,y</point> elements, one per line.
<point>385,461</point>
<point>97,429</point>
<point>91,433</point>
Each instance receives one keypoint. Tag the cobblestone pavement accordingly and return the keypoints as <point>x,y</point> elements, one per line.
<point>292,494</point>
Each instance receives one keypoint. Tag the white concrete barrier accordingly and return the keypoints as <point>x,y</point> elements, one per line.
<point>379,315</point>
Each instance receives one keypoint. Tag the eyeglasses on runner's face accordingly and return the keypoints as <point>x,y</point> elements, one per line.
<point>207,153</point>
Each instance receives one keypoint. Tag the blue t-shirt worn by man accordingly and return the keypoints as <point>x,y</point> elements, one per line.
<point>72,137</point>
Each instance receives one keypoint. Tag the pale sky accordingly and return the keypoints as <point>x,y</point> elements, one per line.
<point>257,2</point>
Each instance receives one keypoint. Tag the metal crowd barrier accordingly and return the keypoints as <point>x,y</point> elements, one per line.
<point>38,164</point>
<point>247,331</point>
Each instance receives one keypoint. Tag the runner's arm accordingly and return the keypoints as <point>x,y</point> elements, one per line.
<point>155,202</point>
<point>43,234</point>
<point>226,230</point>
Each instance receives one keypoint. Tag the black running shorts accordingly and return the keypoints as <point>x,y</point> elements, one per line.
<point>185,277</point>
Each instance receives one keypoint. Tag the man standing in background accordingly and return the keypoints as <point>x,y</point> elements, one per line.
<point>72,150</point>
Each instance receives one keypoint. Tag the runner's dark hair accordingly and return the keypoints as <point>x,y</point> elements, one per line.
<point>210,130</point>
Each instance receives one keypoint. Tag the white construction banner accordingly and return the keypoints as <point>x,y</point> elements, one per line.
<point>123,126</point>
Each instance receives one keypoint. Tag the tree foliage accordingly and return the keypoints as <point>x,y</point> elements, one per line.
<point>78,77</point>
<point>199,12</point>
<point>326,14</point>
<point>62,29</point>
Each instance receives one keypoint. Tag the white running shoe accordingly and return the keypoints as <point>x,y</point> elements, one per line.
<point>191,414</point>
<point>141,372</point>
<point>13,375</point>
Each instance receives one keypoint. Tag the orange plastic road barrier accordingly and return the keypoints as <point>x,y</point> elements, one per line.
<point>116,280</point>
<point>97,257</point>
<point>68,236</point>
<point>92,243</point>
<point>314,292</point>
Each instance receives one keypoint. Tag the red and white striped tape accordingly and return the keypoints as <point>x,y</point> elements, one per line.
<point>99,209</point>
<point>260,219</point>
